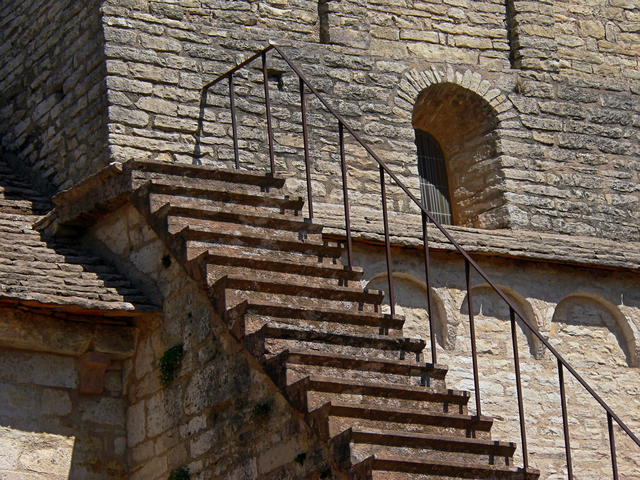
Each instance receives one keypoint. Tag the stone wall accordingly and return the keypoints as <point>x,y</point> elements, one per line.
<point>52,88</point>
<point>49,429</point>
<point>567,115</point>
<point>221,417</point>
<point>590,317</point>
<point>565,139</point>
<point>599,37</point>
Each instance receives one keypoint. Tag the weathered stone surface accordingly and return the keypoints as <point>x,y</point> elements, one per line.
<point>54,273</point>
<point>556,170</point>
<point>49,431</point>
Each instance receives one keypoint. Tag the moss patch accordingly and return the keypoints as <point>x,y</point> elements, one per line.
<point>170,364</point>
<point>181,473</point>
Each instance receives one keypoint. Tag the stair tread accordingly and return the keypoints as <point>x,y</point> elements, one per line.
<point>207,172</point>
<point>303,289</point>
<point>207,200</point>
<point>419,439</point>
<point>263,219</point>
<point>316,314</point>
<point>297,333</point>
<point>381,461</point>
<point>377,364</point>
<point>405,415</point>
<point>319,383</point>
<point>215,193</point>
<point>201,233</point>
<point>297,268</point>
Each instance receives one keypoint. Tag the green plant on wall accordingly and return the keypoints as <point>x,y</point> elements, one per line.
<point>170,364</point>
<point>181,473</point>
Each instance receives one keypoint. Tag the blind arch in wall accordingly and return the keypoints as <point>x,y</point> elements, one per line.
<point>434,182</point>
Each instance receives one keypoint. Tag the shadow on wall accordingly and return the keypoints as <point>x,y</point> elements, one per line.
<point>48,430</point>
<point>411,302</point>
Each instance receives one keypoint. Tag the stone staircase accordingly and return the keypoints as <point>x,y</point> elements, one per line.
<point>284,293</point>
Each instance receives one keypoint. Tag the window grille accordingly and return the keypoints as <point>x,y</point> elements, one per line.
<point>434,183</point>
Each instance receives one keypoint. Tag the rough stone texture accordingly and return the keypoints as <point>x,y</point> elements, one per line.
<point>113,186</point>
<point>55,273</point>
<point>557,85</point>
<point>568,112</point>
<point>557,130</point>
<point>587,314</point>
<point>209,419</point>
<point>53,95</point>
<point>48,430</point>
<point>590,317</point>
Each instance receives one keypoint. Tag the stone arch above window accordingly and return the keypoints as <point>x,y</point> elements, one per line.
<point>463,113</point>
<point>594,325</point>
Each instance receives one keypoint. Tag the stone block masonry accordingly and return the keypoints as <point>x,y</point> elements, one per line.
<point>52,88</point>
<point>558,126</point>
<point>221,417</point>
<point>579,311</point>
<point>128,74</point>
<point>48,429</point>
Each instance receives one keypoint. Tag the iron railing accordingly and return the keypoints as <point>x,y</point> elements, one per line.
<point>515,312</point>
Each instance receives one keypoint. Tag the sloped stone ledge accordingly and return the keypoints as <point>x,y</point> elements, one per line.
<point>27,330</point>
<point>517,244</point>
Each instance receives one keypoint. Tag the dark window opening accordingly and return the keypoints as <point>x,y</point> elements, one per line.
<point>276,77</point>
<point>323,18</point>
<point>434,183</point>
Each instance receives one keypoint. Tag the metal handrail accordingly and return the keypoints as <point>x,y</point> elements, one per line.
<point>426,214</point>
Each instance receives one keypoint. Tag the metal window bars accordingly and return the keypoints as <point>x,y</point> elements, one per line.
<point>386,176</point>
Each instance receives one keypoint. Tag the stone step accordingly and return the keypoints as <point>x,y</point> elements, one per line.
<point>195,248</point>
<point>312,392</point>
<point>244,237</point>
<point>275,337</point>
<point>144,178</point>
<point>272,237</point>
<point>273,287</point>
<point>206,173</point>
<point>385,467</point>
<point>264,220</point>
<point>158,200</point>
<point>252,285</point>
<point>254,314</point>
<point>266,200</point>
<point>291,365</point>
<point>226,258</point>
<point>362,443</point>
<point>334,417</point>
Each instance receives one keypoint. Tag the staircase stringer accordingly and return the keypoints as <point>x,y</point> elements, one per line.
<point>232,318</point>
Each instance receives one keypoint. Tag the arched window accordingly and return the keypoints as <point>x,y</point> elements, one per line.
<point>464,125</point>
<point>434,183</point>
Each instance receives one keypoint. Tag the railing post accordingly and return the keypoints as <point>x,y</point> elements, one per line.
<point>565,421</point>
<point>612,446</point>
<point>516,362</point>
<point>267,101</point>
<point>387,243</point>
<point>305,139</point>
<point>472,333</point>
<point>427,274</point>
<point>234,126</point>
<point>345,194</point>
